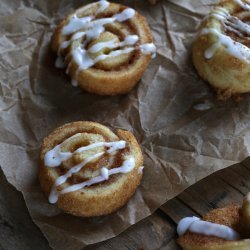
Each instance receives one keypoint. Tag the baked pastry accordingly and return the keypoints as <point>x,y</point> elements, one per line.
<point>88,170</point>
<point>106,47</point>
<point>221,52</point>
<point>245,216</point>
<point>221,229</point>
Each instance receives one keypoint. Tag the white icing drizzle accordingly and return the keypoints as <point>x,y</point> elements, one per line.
<point>89,28</point>
<point>103,6</point>
<point>94,33</point>
<point>99,46</point>
<point>234,48</point>
<point>85,23</point>
<point>237,26</point>
<point>129,40</point>
<point>84,61</point>
<point>244,6</point>
<point>125,15</point>
<point>232,24</point>
<point>148,49</point>
<point>219,13</point>
<point>198,226</point>
<point>184,224</point>
<point>76,36</point>
<point>75,24</point>
<point>113,146</point>
<point>55,157</point>
<point>53,197</point>
<point>105,173</point>
<point>140,169</point>
<point>127,166</point>
<point>248,197</point>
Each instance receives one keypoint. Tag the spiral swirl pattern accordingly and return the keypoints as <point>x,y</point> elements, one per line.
<point>88,170</point>
<point>221,52</point>
<point>106,47</point>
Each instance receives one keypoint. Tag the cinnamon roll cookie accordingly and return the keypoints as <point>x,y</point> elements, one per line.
<point>105,47</point>
<point>88,170</point>
<point>221,229</point>
<point>221,52</point>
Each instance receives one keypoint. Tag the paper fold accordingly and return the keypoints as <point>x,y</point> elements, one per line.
<point>184,132</point>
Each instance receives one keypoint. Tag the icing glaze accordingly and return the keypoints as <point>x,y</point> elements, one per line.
<point>105,173</point>
<point>124,15</point>
<point>248,197</point>
<point>90,22</point>
<point>148,49</point>
<point>103,5</point>
<point>184,224</point>
<point>55,157</point>
<point>113,146</point>
<point>219,13</point>
<point>91,27</point>
<point>244,5</point>
<point>232,24</point>
<point>234,48</point>
<point>129,40</point>
<point>53,197</point>
<point>140,169</point>
<point>84,61</point>
<point>198,226</point>
<point>76,36</point>
<point>236,26</point>
<point>126,167</point>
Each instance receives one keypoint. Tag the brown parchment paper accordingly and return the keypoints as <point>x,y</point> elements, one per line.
<point>182,141</point>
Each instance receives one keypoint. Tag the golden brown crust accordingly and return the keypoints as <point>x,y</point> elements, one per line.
<point>245,216</point>
<point>100,199</point>
<point>122,75</point>
<point>233,245</point>
<point>228,216</point>
<point>227,74</point>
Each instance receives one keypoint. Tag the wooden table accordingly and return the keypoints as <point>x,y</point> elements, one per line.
<point>17,231</point>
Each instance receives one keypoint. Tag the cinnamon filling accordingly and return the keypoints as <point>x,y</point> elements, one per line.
<point>114,35</point>
<point>98,162</point>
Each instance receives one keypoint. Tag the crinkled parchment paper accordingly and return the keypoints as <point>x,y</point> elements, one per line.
<point>185,133</point>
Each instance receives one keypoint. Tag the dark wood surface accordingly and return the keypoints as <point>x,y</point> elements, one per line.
<point>17,231</point>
